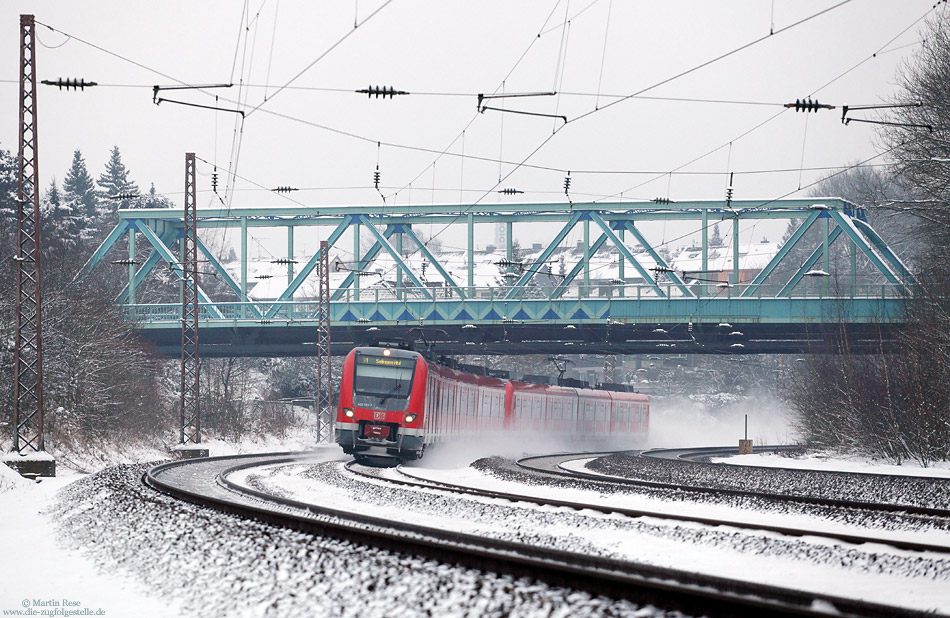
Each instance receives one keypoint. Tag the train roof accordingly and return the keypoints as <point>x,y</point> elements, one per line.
<point>457,371</point>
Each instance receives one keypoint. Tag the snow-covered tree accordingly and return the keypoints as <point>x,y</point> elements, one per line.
<point>152,199</point>
<point>8,191</point>
<point>62,224</point>
<point>114,181</point>
<point>79,191</point>
<point>52,196</point>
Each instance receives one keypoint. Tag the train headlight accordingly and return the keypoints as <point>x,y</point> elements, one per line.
<point>410,417</point>
<point>348,412</point>
<point>387,351</point>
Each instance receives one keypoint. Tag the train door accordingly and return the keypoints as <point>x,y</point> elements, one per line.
<point>601,419</point>
<point>453,406</point>
<point>572,414</point>
<point>427,408</point>
<point>445,414</point>
<point>466,408</point>
<point>472,408</point>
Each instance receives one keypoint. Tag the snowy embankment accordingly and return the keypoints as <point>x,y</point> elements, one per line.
<point>900,490</point>
<point>836,463</point>
<point>877,573</point>
<point>108,542</point>
<point>213,564</point>
<point>41,564</point>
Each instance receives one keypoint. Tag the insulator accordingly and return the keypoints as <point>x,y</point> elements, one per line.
<point>376,178</point>
<point>807,105</point>
<point>662,200</point>
<point>729,194</point>
<point>510,191</point>
<point>124,196</point>
<point>214,181</point>
<point>381,91</point>
<point>284,189</point>
<point>69,84</point>
<point>567,183</point>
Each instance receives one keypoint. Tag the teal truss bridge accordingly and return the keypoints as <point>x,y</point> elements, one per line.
<point>602,283</point>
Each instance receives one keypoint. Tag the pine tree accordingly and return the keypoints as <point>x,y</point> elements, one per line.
<point>8,197</point>
<point>115,181</point>
<point>716,239</point>
<point>152,199</point>
<point>80,195</point>
<point>63,223</point>
<point>53,198</point>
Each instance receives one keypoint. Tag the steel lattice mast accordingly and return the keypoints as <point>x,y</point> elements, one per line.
<point>190,374</point>
<point>324,381</point>
<point>28,351</point>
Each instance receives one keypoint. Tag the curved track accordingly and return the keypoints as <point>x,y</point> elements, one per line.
<point>416,481</point>
<point>206,482</point>
<point>555,465</point>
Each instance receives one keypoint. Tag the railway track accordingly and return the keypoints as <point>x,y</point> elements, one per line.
<point>206,482</point>
<point>855,539</point>
<point>554,465</point>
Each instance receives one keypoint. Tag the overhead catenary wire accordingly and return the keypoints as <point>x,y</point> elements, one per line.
<point>626,96</point>
<point>666,81</point>
<point>273,39</point>
<point>603,55</point>
<point>320,57</point>
<point>813,93</point>
<point>576,172</point>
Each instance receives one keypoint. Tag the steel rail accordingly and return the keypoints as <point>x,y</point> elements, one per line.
<point>698,454</point>
<point>856,539</point>
<point>827,502</point>
<point>641,583</point>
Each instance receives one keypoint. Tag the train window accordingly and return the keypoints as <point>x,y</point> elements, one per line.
<point>383,383</point>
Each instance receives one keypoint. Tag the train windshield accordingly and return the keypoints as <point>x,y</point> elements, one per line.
<point>383,383</point>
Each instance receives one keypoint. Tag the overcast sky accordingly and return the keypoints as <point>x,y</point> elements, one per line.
<point>318,135</point>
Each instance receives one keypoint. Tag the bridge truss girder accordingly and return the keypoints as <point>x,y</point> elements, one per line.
<point>163,228</point>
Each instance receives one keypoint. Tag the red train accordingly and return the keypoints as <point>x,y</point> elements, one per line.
<point>393,403</point>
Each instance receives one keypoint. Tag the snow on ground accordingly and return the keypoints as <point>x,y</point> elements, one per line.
<point>10,479</point>
<point>38,567</point>
<point>111,542</point>
<point>659,502</point>
<point>743,512</point>
<point>836,462</point>
<point>215,564</point>
<point>876,573</point>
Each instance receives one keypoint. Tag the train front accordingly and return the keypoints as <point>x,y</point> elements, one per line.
<point>382,393</point>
